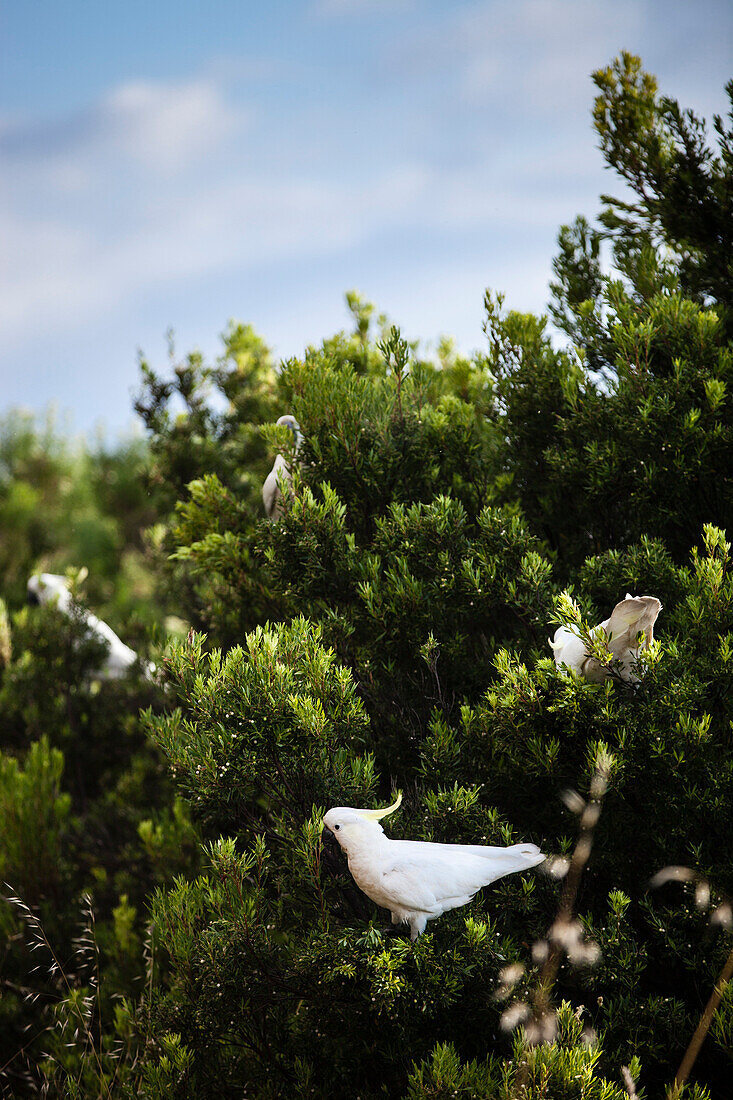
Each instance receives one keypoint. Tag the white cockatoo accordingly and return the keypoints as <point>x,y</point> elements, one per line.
<point>632,617</point>
<point>417,880</point>
<point>52,588</point>
<point>271,496</point>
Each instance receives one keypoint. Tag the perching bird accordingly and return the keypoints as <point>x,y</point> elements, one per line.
<point>271,495</point>
<point>629,618</point>
<point>417,880</point>
<point>51,587</point>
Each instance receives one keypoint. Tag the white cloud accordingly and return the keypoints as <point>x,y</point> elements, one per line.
<point>60,269</point>
<point>161,127</point>
<point>65,278</point>
<point>98,205</point>
<point>123,208</point>
<point>165,127</point>
<point>157,184</point>
<point>520,54</point>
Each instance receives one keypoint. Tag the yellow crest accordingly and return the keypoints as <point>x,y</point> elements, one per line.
<point>377,815</point>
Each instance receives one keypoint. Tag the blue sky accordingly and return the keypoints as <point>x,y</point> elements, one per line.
<point>175,165</point>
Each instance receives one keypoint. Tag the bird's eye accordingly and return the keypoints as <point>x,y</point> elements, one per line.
<point>337,827</point>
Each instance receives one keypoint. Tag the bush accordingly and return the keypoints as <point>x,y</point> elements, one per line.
<point>390,630</point>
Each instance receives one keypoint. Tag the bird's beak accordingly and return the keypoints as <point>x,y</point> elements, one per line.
<point>328,840</point>
<point>31,598</point>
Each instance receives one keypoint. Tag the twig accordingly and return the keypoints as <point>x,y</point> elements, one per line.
<point>565,935</point>
<point>705,1020</point>
<point>581,854</point>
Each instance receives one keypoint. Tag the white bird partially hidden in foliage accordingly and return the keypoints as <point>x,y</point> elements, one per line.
<point>418,880</point>
<point>271,495</point>
<point>628,630</point>
<point>46,588</point>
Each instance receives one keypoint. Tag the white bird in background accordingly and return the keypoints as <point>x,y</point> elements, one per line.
<point>46,588</point>
<point>271,495</point>
<point>633,616</point>
<point>417,880</point>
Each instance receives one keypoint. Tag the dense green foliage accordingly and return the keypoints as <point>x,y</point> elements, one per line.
<point>390,631</point>
<point>90,823</point>
<point>64,504</point>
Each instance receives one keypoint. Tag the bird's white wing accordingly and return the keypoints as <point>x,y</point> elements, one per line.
<point>120,657</point>
<point>628,619</point>
<point>271,490</point>
<point>405,885</point>
<point>270,494</point>
<point>515,857</point>
<point>431,877</point>
<point>646,621</point>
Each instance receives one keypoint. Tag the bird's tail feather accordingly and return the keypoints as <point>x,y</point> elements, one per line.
<point>516,856</point>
